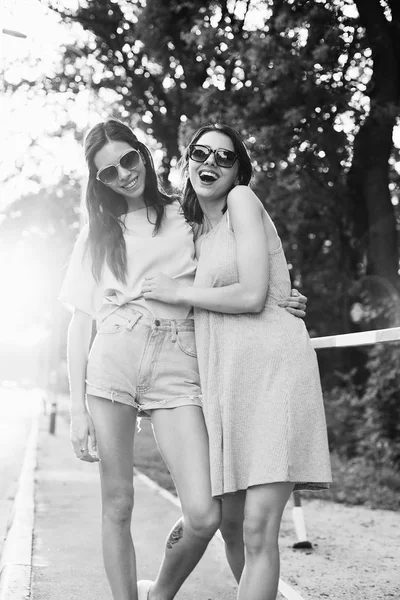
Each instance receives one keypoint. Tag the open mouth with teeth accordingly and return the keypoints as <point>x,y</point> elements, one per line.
<point>208,176</point>
<point>131,184</point>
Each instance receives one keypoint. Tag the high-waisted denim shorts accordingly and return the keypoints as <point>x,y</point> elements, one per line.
<point>144,362</point>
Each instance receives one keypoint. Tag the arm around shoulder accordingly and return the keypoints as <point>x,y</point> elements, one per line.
<point>248,295</point>
<point>252,254</point>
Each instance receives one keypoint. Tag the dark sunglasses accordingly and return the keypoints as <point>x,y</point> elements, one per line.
<point>223,158</point>
<point>130,160</point>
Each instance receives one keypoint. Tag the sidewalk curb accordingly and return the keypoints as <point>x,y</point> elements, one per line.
<point>16,558</point>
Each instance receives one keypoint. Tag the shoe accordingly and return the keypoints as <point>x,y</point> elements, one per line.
<point>143,588</point>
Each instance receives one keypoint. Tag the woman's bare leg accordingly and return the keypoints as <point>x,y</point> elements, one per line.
<point>231,529</point>
<point>115,426</point>
<point>262,519</point>
<point>182,438</point>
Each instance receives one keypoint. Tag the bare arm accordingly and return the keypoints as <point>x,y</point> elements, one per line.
<point>79,334</point>
<point>250,292</point>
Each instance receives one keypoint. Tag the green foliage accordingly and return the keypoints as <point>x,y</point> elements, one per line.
<point>344,416</point>
<point>359,481</point>
<point>380,431</point>
<point>363,416</point>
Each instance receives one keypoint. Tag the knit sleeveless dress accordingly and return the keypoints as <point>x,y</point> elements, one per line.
<point>260,381</point>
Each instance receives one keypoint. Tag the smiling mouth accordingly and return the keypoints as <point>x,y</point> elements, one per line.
<point>208,176</point>
<point>131,184</point>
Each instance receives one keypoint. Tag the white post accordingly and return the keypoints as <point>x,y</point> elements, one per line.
<point>299,523</point>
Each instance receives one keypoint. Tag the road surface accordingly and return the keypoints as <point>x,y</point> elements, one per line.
<point>17,407</point>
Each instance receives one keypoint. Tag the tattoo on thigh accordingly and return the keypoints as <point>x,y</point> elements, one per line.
<point>175,535</point>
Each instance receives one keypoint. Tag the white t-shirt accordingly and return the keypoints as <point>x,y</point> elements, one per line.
<point>171,252</point>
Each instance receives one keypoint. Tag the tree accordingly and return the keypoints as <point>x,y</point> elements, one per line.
<point>296,74</point>
<point>373,213</point>
<point>141,52</point>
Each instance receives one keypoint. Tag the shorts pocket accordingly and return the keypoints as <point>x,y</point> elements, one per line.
<point>112,324</point>
<point>187,342</point>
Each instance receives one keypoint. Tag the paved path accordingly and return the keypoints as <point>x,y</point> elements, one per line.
<point>16,412</point>
<point>67,562</point>
<point>53,547</point>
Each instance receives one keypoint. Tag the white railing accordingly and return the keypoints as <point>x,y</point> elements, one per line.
<point>364,338</point>
<point>346,340</point>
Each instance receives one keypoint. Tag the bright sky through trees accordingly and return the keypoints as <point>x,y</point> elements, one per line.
<point>32,153</point>
<point>30,157</point>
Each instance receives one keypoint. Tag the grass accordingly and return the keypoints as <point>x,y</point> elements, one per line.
<point>355,482</point>
<point>148,459</point>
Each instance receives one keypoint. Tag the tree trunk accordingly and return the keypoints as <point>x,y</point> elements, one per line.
<point>368,181</point>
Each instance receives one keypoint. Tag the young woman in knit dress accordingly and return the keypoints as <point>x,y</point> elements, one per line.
<point>261,388</point>
<point>143,359</point>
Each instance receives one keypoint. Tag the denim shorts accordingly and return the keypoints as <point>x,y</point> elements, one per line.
<point>144,362</point>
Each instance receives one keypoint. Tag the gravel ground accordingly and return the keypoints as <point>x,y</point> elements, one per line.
<point>356,553</point>
<point>356,550</point>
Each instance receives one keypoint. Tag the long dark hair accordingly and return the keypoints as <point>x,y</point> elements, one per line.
<point>106,207</point>
<point>190,203</point>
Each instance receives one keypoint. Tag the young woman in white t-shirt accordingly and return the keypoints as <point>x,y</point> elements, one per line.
<point>143,359</point>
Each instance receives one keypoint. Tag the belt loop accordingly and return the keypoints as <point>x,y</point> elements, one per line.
<point>174,333</point>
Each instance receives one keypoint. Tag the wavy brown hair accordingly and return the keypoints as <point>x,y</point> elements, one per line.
<point>190,203</point>
<point>106,207</point>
